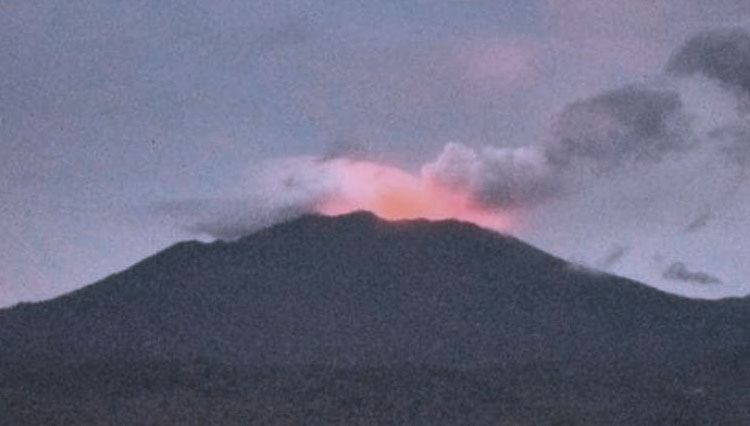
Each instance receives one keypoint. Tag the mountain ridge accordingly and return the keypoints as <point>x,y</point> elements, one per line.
<point>355,289</point>
<point>353,320</point>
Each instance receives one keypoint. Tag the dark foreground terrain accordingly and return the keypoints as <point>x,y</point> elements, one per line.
<point>120,393</point>
<point>356,321</point>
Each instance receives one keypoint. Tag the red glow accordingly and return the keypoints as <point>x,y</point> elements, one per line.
<point>394,194</point>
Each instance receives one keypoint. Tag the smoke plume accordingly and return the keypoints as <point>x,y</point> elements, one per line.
<point>667,153</point>
<point>623,126</point>
<point>723,55</point>
<point>495,177</point>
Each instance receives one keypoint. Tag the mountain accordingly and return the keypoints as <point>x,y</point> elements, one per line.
<point>375,304</point>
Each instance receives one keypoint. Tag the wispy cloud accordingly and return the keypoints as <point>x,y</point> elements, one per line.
<point>678,271</point>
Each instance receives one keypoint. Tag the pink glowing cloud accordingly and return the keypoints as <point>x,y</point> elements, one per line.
<point>394,194</point>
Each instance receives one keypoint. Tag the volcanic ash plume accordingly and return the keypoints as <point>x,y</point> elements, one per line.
<point>395,194</point>
<point>488,187</point>
<point>500,178</point>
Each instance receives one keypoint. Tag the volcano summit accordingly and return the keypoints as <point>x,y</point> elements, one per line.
<point>356,320</point>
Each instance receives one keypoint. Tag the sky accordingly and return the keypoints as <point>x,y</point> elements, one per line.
<point>613,134</point>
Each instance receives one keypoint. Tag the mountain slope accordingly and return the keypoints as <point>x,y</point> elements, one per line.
<point>355,290</point>
<point>356,321</point>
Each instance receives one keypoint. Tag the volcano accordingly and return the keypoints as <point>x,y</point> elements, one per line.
<point>356,320</point>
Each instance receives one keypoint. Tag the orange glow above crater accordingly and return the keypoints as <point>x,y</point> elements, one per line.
<point>394,194</point>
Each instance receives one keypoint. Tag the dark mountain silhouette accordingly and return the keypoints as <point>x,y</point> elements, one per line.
<point>353,305</point>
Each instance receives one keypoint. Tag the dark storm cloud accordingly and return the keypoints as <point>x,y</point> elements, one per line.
<point>622,126</point>
<point>723,55</point>
<point>678,271</point>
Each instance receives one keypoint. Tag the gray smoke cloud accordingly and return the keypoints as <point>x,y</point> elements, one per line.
<point>623,126</point>
<point>230,219</point>
<point>723,55</point>
<point>663,160</point>
<point>678,271</point>
<point>636,126</point>
<point>495,177</point>
<point>276,190</point>
<point>605,132</point>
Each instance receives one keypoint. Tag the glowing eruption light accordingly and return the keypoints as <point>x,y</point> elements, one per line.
<point>393,194</point>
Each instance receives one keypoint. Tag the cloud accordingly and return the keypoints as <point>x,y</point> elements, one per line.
<point>495,177</point>
<point>633,125</point>
<point>623,126</point>
<point>718,116</point>
<point>678,271</point>
<point>673,146</point>
<point>661,162</point>
<point>283,189</point>
<point>395,194</point>
<point>274,190</point>
<point>479,186</point>
<point>230,219</point>
<point>723,55</point>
